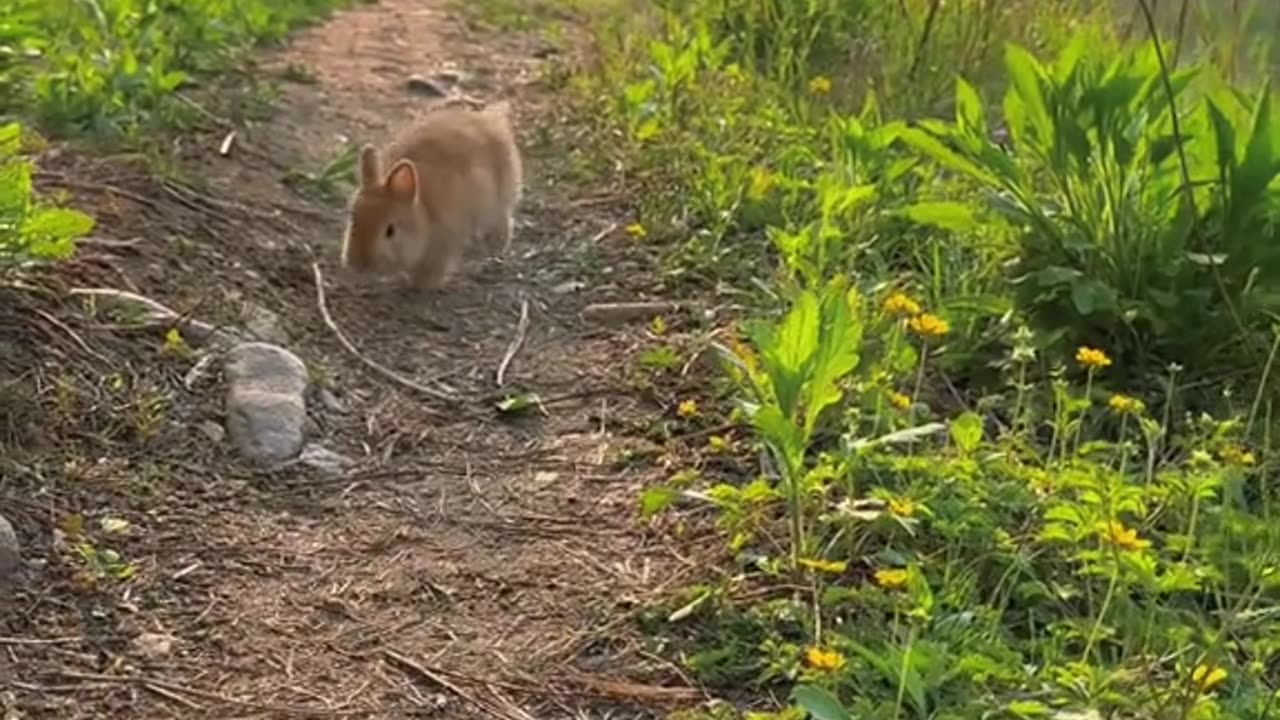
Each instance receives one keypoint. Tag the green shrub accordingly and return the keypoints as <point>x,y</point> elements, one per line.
<point>113,66</point>
<point>31,230</point>
<point>1111,251</point>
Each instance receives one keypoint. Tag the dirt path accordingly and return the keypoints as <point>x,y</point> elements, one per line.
<point>471,565</point>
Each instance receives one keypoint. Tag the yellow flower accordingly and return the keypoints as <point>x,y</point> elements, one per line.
<point>1236,455</point>
<point>1126,405</point>
<point>658,325</point>
<point>827,660</point>
<point>762,181</point>
<point>902,507</point>
<point>891,579</point>
<point>898,400</point>
<point>718,444</point>
<point>835,567</point>
<point>901,305</point>
<point>1122,537</point>
<point>1091,358</point>
<point>820,85</point>
<point>928,326</point>
<point>1207,677</point>
<point>687,408</point>
<point>637,231</point>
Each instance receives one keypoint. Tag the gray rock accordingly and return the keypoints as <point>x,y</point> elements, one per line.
<point>10,555</point>
<point>266,402</point>
<point>319,457</point>
<point>263,324</point>
<point>213,431</point>
<point>154,646</point>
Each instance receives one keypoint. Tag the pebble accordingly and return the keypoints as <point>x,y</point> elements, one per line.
<point>10,552</point>
<point>266,402</point>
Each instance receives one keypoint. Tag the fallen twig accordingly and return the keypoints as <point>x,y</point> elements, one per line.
<point>351,348</point>
<point>75,337</point>
<point>522,328</point>
<point>509,712</point>
<point>154,311</point>
<point>159,686</point>
<point>603,234</point>
<point>39,641</point>
<point>622,312</point>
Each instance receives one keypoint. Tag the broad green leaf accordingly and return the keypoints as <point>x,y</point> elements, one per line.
<point>970,112</point>
<point>933,148</point>
<point>1224,141</point>
<point>518,403</point>
<point>1089,296</point>
<point>780,432</point>
<point>788,357</point>
<point>1024,74</point>
<point>837,356</point>
<point>952,216</point>
<point>10,140</point>
<point>51,232</point>
<point>966,432</point>
<point>819,703</point>
<point>1028,708</point>
<point>656,499</point>
<point>1259,165</point>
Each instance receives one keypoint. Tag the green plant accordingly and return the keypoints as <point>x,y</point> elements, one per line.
<point>113,67</point>
<point>31,230</point>
<point>1111,251</point>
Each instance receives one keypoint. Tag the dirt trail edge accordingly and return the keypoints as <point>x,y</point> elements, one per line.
<point>427,559</point>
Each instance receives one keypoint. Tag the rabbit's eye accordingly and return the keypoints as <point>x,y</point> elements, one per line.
<point>391,231</point>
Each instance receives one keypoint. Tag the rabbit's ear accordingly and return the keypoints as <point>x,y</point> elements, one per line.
<point>370,166</point>
<point>402,181</point>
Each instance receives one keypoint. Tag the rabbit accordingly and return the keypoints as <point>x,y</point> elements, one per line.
<point>453,177</point>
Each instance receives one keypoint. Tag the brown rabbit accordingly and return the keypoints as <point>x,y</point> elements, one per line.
<point>454,175</point>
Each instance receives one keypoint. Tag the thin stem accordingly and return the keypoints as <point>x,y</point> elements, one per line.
<point>1185,168</point>
<point>1262,385</point>
<point>924,38</point>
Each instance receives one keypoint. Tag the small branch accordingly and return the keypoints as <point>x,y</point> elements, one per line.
<point>522,328</point>
<point>623,312</point>
<point>351,348</point>
<point>153,311</point>
<point>40,641</point>
<point>924,38</point>
<point>75,337</point>
<point>160,686</point>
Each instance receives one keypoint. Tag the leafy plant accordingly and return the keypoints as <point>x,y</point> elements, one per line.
<point>113,67</point>
<point>31,230</point>
<point>1111,251</point>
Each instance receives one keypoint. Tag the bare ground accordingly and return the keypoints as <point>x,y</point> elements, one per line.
<point>471,565</point>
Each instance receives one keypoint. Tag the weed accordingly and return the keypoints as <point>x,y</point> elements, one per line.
<point>31,230</point>
<point>333,180</point>
<point>114,67</point>
<point>973,338</point>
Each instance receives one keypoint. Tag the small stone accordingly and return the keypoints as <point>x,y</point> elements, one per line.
<point>568,287</point>
<point>10,552</point>
<point>213,431</point>
<point>266,402</point>
<point>319,457</point>
<point>452,77</point>
<point>331,401</point>
<point>263,324</point>
<point>154,646</point>
<point>426,86</point>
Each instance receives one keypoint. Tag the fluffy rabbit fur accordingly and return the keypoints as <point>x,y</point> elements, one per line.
<point>452,177</point>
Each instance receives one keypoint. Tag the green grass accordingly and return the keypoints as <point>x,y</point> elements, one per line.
<point>114,68</point>
<point>1001,406</point>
